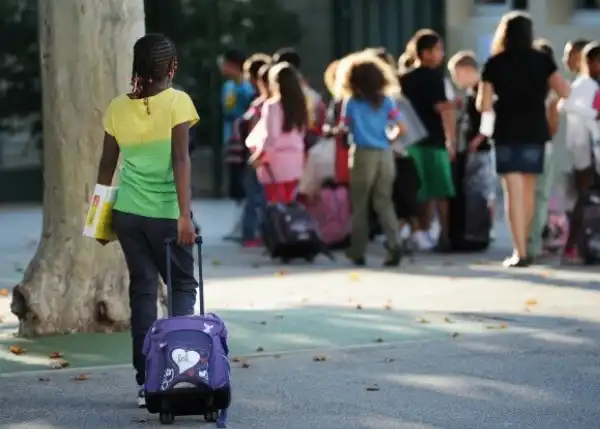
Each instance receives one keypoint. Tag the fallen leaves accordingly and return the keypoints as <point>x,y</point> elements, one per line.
<point>280,273</point>
<point>260,350</point>
<point>422,320</point>
<point>455,335</point>
<point>56,355</point>
<point>216,262</point>
<point>448,320</point>
<point>262,323</point>
<point>354,277</point>
<point>4,292</point>
<point>494,327</point>
<point>235,359</point>
<point>81,377</point>
<point>359,307</point>
<point>379,340</point>
<point>320,358</point>
<point>44,379</point>
<point>388,360</point>
<point>373,388</point>
<point>59,364</point>
<point>16,350</point>
<point>531,302</point>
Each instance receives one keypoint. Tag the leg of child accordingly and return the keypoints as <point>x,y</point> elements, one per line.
<point>542,194</point>
<point>384,205</point>
<point>362,176</point>
<point>583,181</point>
<point>143,283</point>
<point>251,213</point>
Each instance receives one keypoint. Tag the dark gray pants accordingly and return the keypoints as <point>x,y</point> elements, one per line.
<point>143,242</point>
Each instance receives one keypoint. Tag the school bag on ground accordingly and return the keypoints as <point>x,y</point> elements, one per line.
<point>330,209</point>
<point>556,230</point>
<point>187,368</point>
<point>289,231</point>
<point>588,242</point>
<point>470,214</point>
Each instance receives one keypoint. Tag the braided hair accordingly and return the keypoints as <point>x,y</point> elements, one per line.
<point>154,60</point>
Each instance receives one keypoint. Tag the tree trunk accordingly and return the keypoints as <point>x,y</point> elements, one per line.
<point>73,284</point>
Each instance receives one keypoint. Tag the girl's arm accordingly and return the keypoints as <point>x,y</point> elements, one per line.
<point>108,160</point>
<point>182,170</point>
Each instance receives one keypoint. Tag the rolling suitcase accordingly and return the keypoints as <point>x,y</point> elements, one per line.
<point>470,214</point>
<point>187,368</point>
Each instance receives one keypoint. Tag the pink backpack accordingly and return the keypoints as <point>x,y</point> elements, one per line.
<point>331,212</point>
<point>556,231</point>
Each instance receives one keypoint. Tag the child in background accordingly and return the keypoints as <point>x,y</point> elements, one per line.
<point>426,87</point>
<point>464,69</point>
<point>237,94</point>
<point>368,113</point>
<point>580,111</point>
<point>255,199</point>
<point>315,104</point>
<point>543,186</point>
<point>279,135</point>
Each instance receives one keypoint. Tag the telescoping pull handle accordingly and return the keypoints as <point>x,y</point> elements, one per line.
<point>169,242</point>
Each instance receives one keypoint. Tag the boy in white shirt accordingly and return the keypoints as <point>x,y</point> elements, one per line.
<point>582,132</point>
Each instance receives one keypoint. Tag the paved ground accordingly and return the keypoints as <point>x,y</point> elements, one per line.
<point>450,342</point>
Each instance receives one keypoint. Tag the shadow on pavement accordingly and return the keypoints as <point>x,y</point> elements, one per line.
<point>521,378</point>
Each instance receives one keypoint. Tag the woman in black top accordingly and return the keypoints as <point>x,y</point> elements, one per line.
<point>519,76</point>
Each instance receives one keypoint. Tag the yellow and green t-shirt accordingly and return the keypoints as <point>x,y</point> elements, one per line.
<point>146,183</point>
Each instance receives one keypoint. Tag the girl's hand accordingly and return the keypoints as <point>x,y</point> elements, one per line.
<point>477,140</point>
<point>451,150</point>
<point>186,232</point>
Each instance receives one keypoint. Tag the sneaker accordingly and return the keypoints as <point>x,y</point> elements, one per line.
<point>423,240</point>
<point>141,397</point>
<point>394,257</point>
<point>571,256</point>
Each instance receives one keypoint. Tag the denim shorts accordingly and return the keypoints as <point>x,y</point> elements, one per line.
<point>526,158</point>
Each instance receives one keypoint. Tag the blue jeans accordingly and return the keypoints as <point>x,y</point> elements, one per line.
<point>254,206</point>
<point>143,242</point>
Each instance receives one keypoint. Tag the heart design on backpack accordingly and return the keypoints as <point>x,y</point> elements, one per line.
<point>185,359</point>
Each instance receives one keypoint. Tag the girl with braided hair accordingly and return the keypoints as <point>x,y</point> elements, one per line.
<point>150,127</point>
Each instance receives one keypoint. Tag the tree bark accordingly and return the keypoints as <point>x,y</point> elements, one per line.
<point>73,284</point>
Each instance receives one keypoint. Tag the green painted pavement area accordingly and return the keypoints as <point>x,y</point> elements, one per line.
<point>250,332</point>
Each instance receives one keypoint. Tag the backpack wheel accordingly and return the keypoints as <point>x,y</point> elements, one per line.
<point>166,418</point>
<point>211,416</point>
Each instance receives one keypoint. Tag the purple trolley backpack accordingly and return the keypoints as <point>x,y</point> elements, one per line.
<point>187,369</point>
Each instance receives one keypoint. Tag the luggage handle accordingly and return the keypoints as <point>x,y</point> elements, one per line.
<point>169,242</point>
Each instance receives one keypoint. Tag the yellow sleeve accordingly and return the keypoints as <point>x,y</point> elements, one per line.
<point>183,110</point>
<point>108,121</point>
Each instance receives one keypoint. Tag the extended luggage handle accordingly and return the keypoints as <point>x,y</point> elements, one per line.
<point>169,242</point>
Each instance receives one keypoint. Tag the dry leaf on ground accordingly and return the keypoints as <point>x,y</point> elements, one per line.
<point>245,365</point>
<point>260,349</point>
<point>16,350</point>
<point>320,358</point>
<point>388,360</point>
<point>500,326</point>
<point>388,307</point>
<point>56,355</point>
<point>44,379</point>
<point>4,292</point>
<point>373,388</point>
<point>422,320</point>
<point>263,323</point>
<point>454,334</point>
<point>280,273</point>
<point>448,320</point>
<point>81,377</point>
<point>531,302</point>
<point>354,276</point>
<point>235,359</point>
<point>379,340</point>
<point>359,307</point>
<point>59,364</point>
<point>216,262</point>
